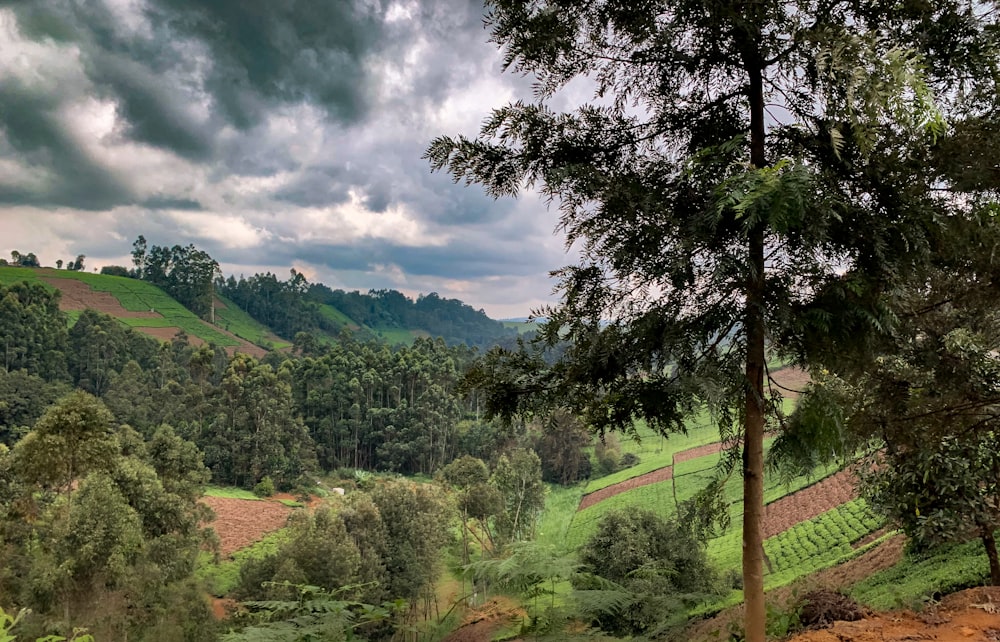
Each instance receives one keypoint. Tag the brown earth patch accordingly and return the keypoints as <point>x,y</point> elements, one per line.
<point>241,522</point>
<point>480,624</point>
<point>661,474</point>
<point>696,452</point>
<point>791,381</point>
<point>972,615</point>
<point>782,514</point>
<point>834,578</point>
<point>77,295</point>
<point>219,305</point>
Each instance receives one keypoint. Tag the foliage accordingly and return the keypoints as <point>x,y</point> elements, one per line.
<point>920,578</point>
<point>657,562</point>
<point>943,491</point>
<point>517,476</point>
<point>8,623</point>
<point>256,432</point>
<point>924,399</point>
<point>185,273</point>
<point>312,614</point>
<point>560,444</point>
<point>98,516</point>
<point>531,571</point>
<point>32,330</point>
<point>264,488</point>
<point>706,228</point>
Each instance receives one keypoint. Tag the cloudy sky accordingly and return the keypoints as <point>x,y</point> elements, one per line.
<point>272,134</point>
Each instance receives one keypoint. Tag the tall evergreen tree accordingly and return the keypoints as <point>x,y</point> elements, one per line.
<point>747,172</point>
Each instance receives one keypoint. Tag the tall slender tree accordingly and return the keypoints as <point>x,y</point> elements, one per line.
<point>747,171</point>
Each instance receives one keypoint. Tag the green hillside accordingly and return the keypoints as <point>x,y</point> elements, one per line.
<point>231,318</point>
<point>133,296</point>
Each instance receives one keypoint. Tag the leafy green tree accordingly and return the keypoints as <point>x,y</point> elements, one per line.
<point>103,528</point>
<point>659,563</point>
<point>943,491</point>
<point>72,439</point>
<point>185,273</point>
<point>517,476</point>
<point>319,552</point>
<point>560,444</point>
<point>708,227</point>
<point>23,399</point>
<point>417,522</point>
<point>32,330</point>
<point>924,400</point>
<point>257,431</point>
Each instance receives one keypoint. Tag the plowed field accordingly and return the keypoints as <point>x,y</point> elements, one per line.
<point>241,522</point>
<point>812,501</point>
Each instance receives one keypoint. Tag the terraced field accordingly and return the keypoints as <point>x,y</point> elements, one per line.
<point>811,523</point>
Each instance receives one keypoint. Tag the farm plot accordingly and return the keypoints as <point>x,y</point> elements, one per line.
<point>241,522</point>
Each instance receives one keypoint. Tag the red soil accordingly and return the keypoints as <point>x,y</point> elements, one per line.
<point>597,496</point>
<point>810,502</point>
<point>241,522</point>
<point>77,295</point>
<point>790,381</point>
<point>972,615</point>
<point>696,452</point>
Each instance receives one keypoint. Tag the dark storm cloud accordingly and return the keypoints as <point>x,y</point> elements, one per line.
<point>271,107</point>
<point>33,132</point>
<point>288,51</point>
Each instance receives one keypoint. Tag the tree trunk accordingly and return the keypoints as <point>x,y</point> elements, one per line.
<point>755,615</point>
<point>990,544</point>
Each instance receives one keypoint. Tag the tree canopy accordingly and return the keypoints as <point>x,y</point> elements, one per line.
<point>746,172</point>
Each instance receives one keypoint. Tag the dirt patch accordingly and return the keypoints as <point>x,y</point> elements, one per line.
<point>77,295</point>
<point>972,615</point>
<point>661,474</point>
<point>834,578</point>
<point>241,522</point>
<point>219,305</point>
<point>823,607</point>
<point>482,623</point>
<point>810,502</point>
<point>790,381</point>
<point>696,452</point>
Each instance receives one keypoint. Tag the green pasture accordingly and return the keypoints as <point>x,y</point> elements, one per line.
<point>229,492</point>
<point>398,336</point>
<point>233,319</point>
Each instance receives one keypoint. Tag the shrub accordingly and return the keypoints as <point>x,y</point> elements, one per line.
<point>658,562</point>
<point>264,488</point>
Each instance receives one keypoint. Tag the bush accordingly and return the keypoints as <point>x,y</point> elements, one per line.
<point>629,460</point>
<point>264,488</point>
<point>659,562</point>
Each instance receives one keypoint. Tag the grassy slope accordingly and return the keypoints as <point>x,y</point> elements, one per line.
<point>133,295</point>
<point>235,320</point>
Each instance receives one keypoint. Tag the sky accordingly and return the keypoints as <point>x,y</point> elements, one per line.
<point>273,134</point>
